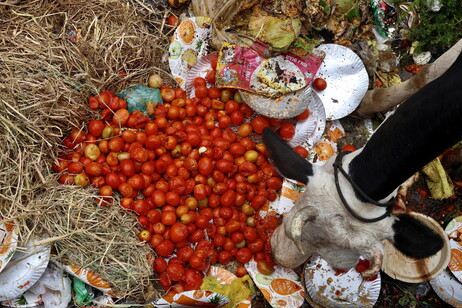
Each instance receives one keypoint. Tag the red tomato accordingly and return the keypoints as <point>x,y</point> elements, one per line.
<point>160,265</point>
<point>192,280</point>
<point>224,257</point>
<point>168,218</point>
<point>349,148</point>
<point>175,271</point>
<point>158,198</point>
<point>362,265</point>
<point>200,192</point>
<point>265,268</point>
<point>237,118</point>
<point>219,240</point>
<point>224,166</point>
<point>232,226</point>
<point>210,77</point>
<point>250,234</point>
<point>185,253</point>
<point>140,207</point>
<point>244,255</point>
<point>274,183</point>
<point>256,246</point>
<point>153,216</point>
<point>178,232</point>
<point>241,271</point>
<point>95,127</point>
<point>228,198</point>
<point>287,130</point>
<point>202,221</point>
<point>303,152</point>
<point>94,169</point>
<point>319,84</point>
<point>165,281</point>
<point>303,116</point>
<point>199,82</point>
<point>245,130</point>
<point>205,166</point>
<point>127,167</point>
<point>165,248</point>
<point>259,123</point>
<point>201,92</point>
<point>172,21</point>
<point>197,235</point>
<point>237,237</point>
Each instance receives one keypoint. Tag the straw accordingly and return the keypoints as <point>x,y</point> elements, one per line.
<point>53,56</point>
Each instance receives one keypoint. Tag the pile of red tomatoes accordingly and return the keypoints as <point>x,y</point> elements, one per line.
<point>189,170</point>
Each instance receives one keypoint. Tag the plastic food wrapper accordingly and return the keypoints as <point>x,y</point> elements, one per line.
<point>189,43</point>
<point>246,69</point>
<point>139,97</point>
<point>197,298</point>
<point>237,290</point>
<point>83,294</point>
<point>89,278</point>
<point>384,17</point>
<point>282,288</point>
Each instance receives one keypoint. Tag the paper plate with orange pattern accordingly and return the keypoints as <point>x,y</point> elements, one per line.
<point>448,288</point>
<point>8,242</point>
<point>89,278</point>
<point>454,232</point>
<point>328,288</point>
<point>23,270</point>
<point>282,288</point>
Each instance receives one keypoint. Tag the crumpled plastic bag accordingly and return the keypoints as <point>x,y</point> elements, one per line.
<point>82,292</point>
<point>54,288</point>
<point>138,98</point>
<point>438,182</point>
<point>239,289</point>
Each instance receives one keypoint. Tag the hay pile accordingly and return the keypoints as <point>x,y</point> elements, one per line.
<point>46,75</point>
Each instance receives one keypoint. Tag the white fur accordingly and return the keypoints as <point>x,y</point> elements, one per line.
<point>335,235</point>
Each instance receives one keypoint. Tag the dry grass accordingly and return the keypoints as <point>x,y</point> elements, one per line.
<point>45,80</point>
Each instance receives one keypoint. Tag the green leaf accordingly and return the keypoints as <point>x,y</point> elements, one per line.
<point>403,301</point>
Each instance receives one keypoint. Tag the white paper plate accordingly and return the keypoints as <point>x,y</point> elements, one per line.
<point>284,107</point>
<point>454,232</point>
<point>8,243</point>
<point>343,290</point>
<point>18,302</point>
<point>398,266</point>
<point>448,288</point>
<point>202,67</point>
<point>23,270</point>
<point>309,131</point>
<point>347,80</point>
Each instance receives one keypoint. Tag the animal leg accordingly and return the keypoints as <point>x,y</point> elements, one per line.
<point>376,264</point>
